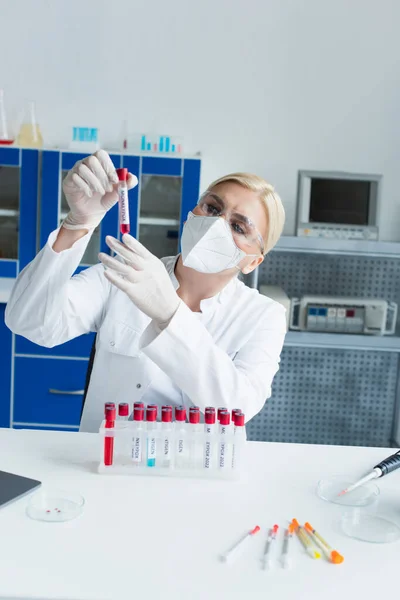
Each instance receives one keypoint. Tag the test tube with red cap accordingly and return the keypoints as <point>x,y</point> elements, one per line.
<point>138,435</point>
<point>194,441</point>
<point>239,437</point>
<point>166,438</point>
<point>220,410</point>
<point>209,430</point>
<point>123,201</point>
<point>151,421</point>
<point>123,411</point>
<point>181,437</point>
<point>109,439</point>
<point>224,423</point>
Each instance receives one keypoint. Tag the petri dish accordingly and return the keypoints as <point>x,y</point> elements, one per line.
<point>367,527</point>
<point>55,506</point>
<point>329,490</point>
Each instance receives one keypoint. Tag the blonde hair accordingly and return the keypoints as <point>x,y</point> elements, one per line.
<point>270,199</point>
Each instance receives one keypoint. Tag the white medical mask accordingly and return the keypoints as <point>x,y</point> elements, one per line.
<point>208,245</point>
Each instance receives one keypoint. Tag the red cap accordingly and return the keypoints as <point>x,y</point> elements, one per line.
<point>109,405</point>
<point>209,417</point>
<point>234,411</point>
<point>151,413</point>
<point>210,409</point>
<point>221,410</point>
<point>194,415</point>
<point>166,413</point>
<point>138,413</point>
<point>180,413</point>
<point>225,418</point>
<point>155,406</point>
<point>122,174</point>
<point>138,405</point>
<point>239,420</point>
<point>123,409</point>
<point>110,413</point>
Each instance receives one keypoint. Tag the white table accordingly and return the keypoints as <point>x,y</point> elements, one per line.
<point>160,538</point>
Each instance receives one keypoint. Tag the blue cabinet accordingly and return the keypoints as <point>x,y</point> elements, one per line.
<point>19,172</point>
<point>46,384</point>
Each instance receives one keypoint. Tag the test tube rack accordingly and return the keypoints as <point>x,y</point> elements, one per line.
<point>177,452</point>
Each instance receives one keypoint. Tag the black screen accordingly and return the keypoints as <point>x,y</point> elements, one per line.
<point>339,201</point>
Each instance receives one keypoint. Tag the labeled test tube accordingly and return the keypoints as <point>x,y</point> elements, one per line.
<point>239,437</point>
<point>180,437</point>
<point>123,201</point>
<point>138,436</point>
<point>220,410</point>
<point>151,421</point>
<point>109,440</point>
<point>209,430</point>
<point>166,438</point>
<point>224,422</point>
<point>194,429</point>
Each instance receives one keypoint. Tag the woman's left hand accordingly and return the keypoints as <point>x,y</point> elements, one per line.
<point>143,277</point>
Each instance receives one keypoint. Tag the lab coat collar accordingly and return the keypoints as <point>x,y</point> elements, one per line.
<point>222,297</point>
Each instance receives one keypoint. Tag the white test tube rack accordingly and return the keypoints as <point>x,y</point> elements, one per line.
<point>229,446</point>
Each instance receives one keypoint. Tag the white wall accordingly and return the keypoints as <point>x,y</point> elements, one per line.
<point>268,86</point>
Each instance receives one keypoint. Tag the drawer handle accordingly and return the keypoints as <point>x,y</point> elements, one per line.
<point>64,393</point>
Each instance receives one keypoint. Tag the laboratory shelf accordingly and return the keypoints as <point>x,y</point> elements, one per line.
<point>343,341</point>
<point>335,246</point>
<point>158,221</point>
<point>4,212</point>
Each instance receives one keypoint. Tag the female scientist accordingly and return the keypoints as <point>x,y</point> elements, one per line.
<point>181,330</point>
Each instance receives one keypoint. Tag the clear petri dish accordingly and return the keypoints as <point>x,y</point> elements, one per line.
<point>55,506</point>
<point>366,527</point>
<point>329,490</point>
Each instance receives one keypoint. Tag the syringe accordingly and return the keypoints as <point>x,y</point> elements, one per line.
<point>391,463</point>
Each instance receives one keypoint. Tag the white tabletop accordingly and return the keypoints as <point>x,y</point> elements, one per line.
<point>160,538</point>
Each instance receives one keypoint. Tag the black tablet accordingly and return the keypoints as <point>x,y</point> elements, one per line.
<point>13,487</point>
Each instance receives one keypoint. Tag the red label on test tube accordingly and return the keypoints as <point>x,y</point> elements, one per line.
<point>123,201</point>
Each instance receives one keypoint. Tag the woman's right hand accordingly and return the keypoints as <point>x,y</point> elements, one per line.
<point>91,189</point>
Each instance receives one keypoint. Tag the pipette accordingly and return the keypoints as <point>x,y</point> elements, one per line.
<point>286,560</point>
<point>391,463</point>
<point>233,551</point>
<point>267,560</point>
<point>305,540</point>
<point>329,552</point>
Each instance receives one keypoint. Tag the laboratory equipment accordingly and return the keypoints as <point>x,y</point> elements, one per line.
<point>221,410</point>
<point>305,540</point>
<point>330,488</point>
<point>365,526</point>
<point>278,294</point>
<point>151,416</point>
<point>239,545</point>
<point>224,422</point>
<point>138,431</point>
<point>85,139</point>
<point>267,561</point>
<point>239,436</point>
<point>14,486</point>
<point>166,449</point>
<point>109,438</point>
<point>29,135</point>
<point>383,468</point>
<point>180,449</point>
<point>209,429</point>
<point>123,411</point>
<point>286,559</point>
<point>338,205</point>
<point>234,412</point>
<point>54,505</point>
<point>164,144</point>
<point>330,553</point>
<point>4,137</point>
<point>343,315</point>
<point>145,446</point>
<point>123,201</point>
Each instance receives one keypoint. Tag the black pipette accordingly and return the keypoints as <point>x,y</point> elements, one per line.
<point>391,463</point>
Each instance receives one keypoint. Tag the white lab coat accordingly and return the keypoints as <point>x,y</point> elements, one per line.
<point>227,355</point>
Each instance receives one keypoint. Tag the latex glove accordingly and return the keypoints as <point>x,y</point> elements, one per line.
<point>143,277</point>
<point>91,189</point>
